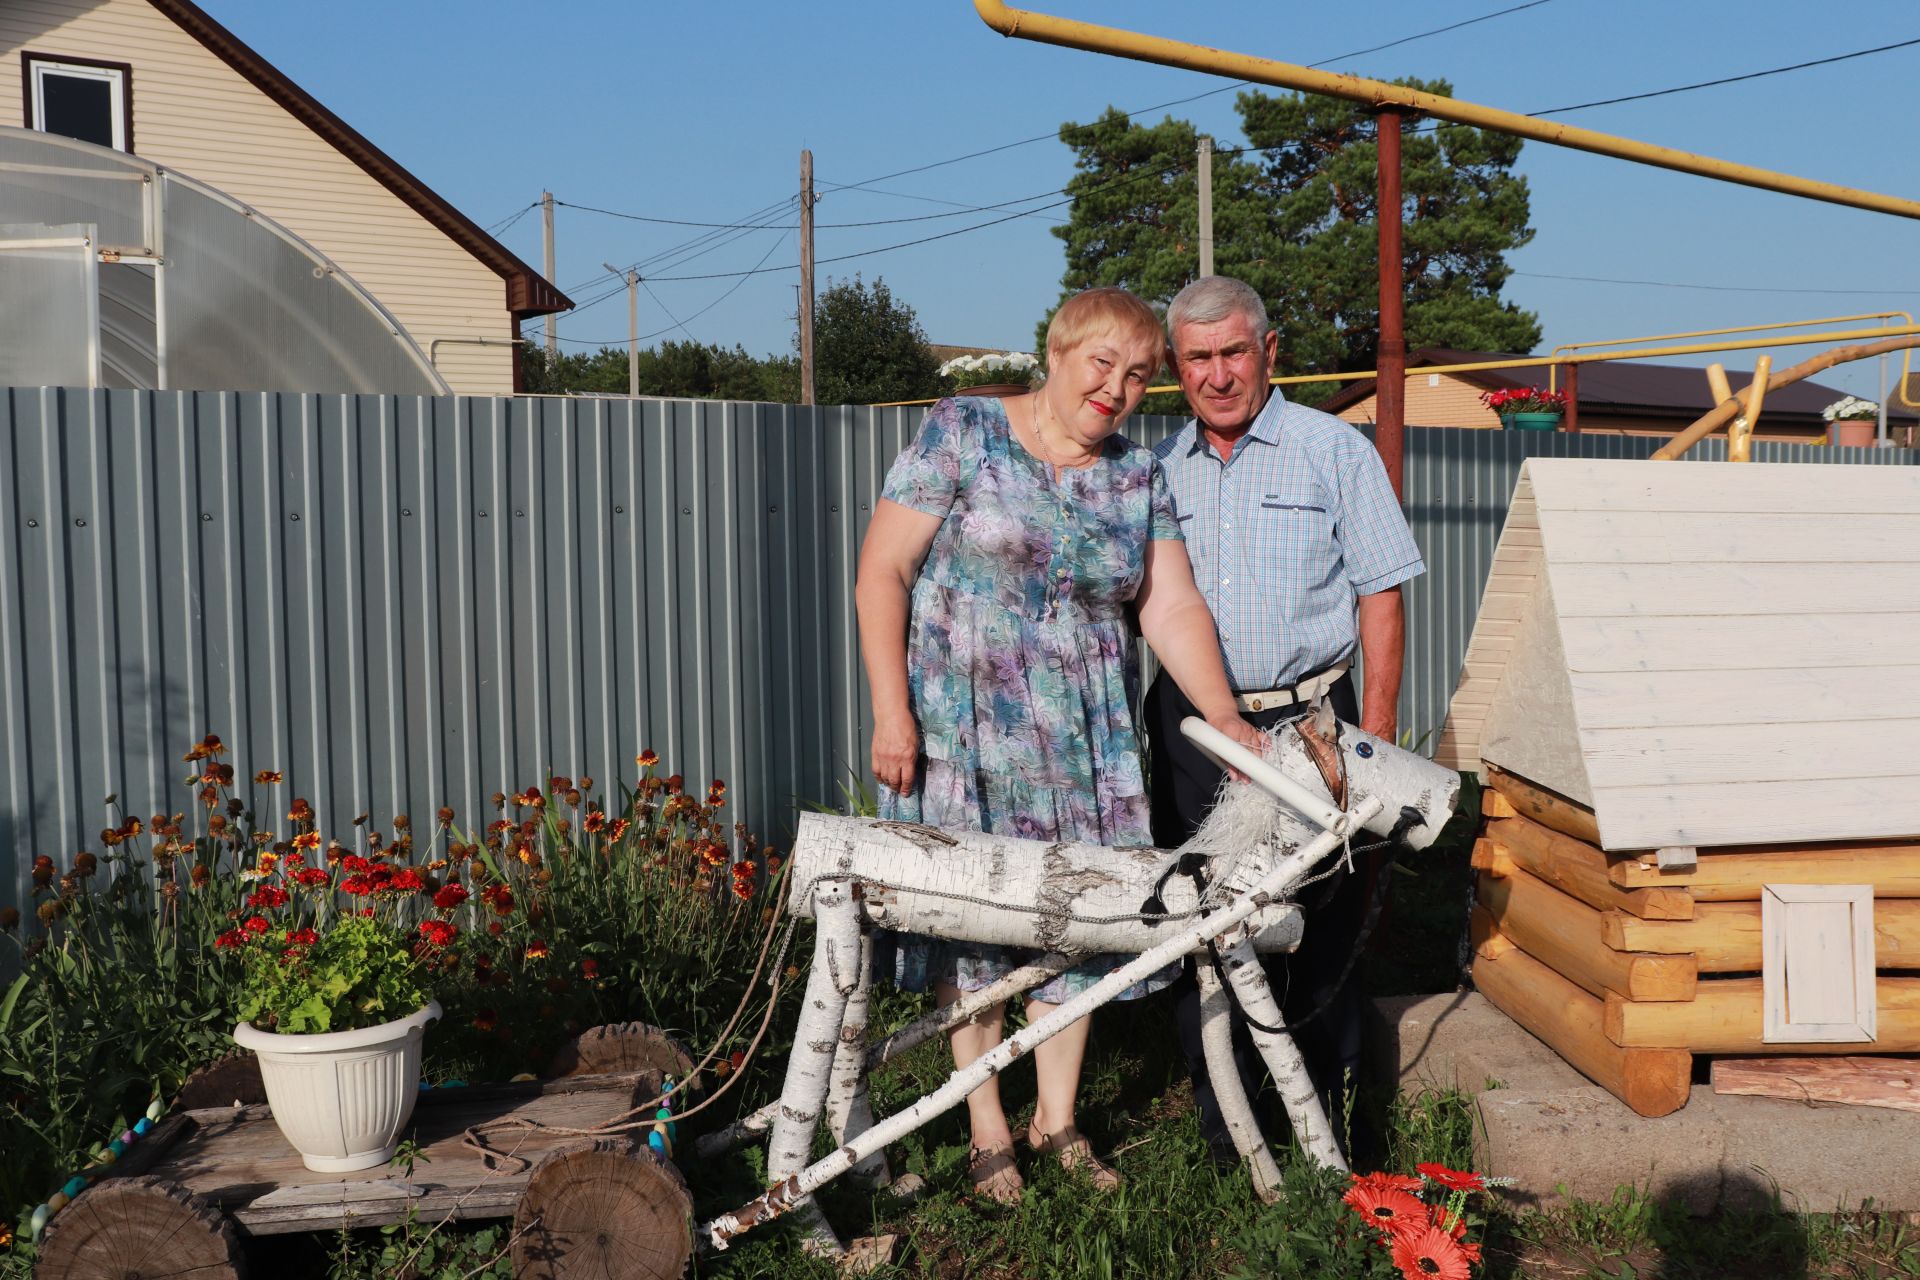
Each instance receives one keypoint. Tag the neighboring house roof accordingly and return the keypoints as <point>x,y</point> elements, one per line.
<point>528,292</point>
<point>1620,386</point>
<point>1703,654</point>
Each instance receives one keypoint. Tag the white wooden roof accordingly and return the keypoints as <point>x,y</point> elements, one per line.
<point>1704,653</point>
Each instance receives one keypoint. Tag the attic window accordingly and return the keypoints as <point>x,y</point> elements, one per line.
<point>80,98</point>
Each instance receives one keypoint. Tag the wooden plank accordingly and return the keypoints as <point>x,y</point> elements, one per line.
<point>1611,484</point>
<point>1494,804</point>
<point>1787,812</point>
<point>1581,870</point>
<point>1654,1082</point>
<point>1564,933</point>
<point>1725,1017</point>
<point>1736,872</point>
<point>1624,698</point>
<point>1763,590</point>
<point>1808,642</point>
<point>1619,537</point>
<point>238,1162</point>
<point>1548,808</point>
<point>1724,937</point>
<point>1864,1082</point>
<point>1790,750</point>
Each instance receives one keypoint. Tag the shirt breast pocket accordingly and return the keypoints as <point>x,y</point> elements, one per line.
<point>1295,539</point>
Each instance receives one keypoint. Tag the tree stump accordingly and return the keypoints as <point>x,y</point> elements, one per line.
<point>622,1048</point>
<point>223,1082</point>
<point>608,1211</point>
<point>139,1229</point>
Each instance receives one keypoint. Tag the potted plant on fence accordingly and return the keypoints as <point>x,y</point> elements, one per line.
<point>333,999</point>
<point>1854,421</point>
<point>1010,373</point>
<point>1527,408</point>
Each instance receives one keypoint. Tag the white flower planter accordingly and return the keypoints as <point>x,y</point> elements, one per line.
<point>342,1098</point>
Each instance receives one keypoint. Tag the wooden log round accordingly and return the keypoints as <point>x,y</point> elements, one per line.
<point>608,1211</point>
<point>622,1048</point>
<point>139,1229</point>
<point>223,1082</point>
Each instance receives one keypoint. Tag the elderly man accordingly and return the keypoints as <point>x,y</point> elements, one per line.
<point>1300,547</point>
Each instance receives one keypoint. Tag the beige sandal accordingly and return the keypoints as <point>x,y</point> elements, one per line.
<point>994,1174</point>
<point>1072,1149</point>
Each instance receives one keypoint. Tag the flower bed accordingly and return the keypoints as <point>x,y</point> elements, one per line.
<point>562,912</point>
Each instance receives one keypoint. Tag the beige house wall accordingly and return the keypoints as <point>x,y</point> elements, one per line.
<point>1446,400</point>
<point>194,113</point>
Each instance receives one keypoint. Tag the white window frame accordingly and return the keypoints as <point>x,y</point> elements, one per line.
<point>115,77</point>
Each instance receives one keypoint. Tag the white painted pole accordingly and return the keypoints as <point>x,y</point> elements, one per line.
<point>791,1190</point>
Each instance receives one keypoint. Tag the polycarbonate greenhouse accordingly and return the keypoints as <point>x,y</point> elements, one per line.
<point>116,272</point>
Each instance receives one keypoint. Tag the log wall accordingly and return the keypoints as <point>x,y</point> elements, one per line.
<point>1627,971</point>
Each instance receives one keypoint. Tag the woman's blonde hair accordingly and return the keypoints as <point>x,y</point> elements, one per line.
<point>1096,311</point>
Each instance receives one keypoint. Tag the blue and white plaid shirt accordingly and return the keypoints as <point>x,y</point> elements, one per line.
<point>1285,537</point>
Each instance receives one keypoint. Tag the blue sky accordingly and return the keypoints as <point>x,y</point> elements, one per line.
<point>699,112</point>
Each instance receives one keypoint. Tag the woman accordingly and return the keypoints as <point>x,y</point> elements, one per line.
<point>1011,543</point>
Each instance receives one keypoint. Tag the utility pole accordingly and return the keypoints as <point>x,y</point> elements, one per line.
<point>1390,399</point>
<point>806,277</point>
<point>1206,205</point>
<point>633,326</point>
<point>546,222</point>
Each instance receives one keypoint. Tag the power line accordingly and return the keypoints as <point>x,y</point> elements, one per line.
<point>1708,84</point>
<point>1715,288</point>
<point>501,227</point>
<point>960,210</point>
<point>695,316</point>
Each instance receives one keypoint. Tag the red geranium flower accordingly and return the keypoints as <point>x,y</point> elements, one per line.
<point>301,937</point>
<point>311,877</point>
<point>358,886</point>
<point>256,924</point>
<point>437,932</point>
<point>407,881</point>
<point>267,896</point>
<point>1453,1179</point>
<point>450,897</point>
<point>230,938</point>
<point>1385,1208</point>
<point>1429,1251</point>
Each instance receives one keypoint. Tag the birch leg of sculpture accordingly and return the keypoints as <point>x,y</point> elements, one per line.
<point>1311,1128</point>
<point>789,1191</point>
<point>905,1040</point>
<point>849,1112</point>
<point>837,946</point>
<point>1216,1038</point>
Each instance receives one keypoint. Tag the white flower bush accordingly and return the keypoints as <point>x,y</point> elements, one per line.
<point>1851,408</point>
<point>979,371</point>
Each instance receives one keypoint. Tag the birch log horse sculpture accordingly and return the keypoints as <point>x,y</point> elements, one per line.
<point>1321,786</point>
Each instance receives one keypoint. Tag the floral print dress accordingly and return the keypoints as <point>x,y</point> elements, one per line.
<point>1021,666</point>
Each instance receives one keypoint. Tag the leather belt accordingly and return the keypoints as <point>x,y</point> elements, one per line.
<point>1304,691</point>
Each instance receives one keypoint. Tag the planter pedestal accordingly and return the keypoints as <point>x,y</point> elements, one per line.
<point>342,1098</point>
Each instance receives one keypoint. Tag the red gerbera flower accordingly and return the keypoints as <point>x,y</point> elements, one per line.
<point>1384,1181</point>
<point>1385,1208</point>
<point>1453,1179</point>
<point>589,968</point>
<point>450,897</point>
<point>537,949</point>
<point>1429,1251</point>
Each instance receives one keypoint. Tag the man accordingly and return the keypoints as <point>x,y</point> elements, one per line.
<point>1300,547</point>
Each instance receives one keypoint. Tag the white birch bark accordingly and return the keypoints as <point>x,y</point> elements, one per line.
<point>834,977</point>
<point>904,1041</point>
<point>1376,767</point>
<point>849,1111</point>
<point>1216,1038</point>
<point>791,1191</point>
<point>1082,899</point>
<point>1310,1125</point>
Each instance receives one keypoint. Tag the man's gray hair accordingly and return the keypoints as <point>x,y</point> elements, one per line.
<point>1213,298</point>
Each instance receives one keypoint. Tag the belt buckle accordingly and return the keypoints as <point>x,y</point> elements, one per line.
<point>1256,704</point>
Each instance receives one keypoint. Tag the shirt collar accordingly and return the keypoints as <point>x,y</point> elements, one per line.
<point>1265,428</point>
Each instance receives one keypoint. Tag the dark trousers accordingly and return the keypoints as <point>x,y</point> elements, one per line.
<point>1183,782</point>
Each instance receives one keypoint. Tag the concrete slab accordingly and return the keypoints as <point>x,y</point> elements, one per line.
<point>1561,1135</point>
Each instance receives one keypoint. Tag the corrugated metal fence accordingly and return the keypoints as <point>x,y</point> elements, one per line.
<point>409,602</point>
